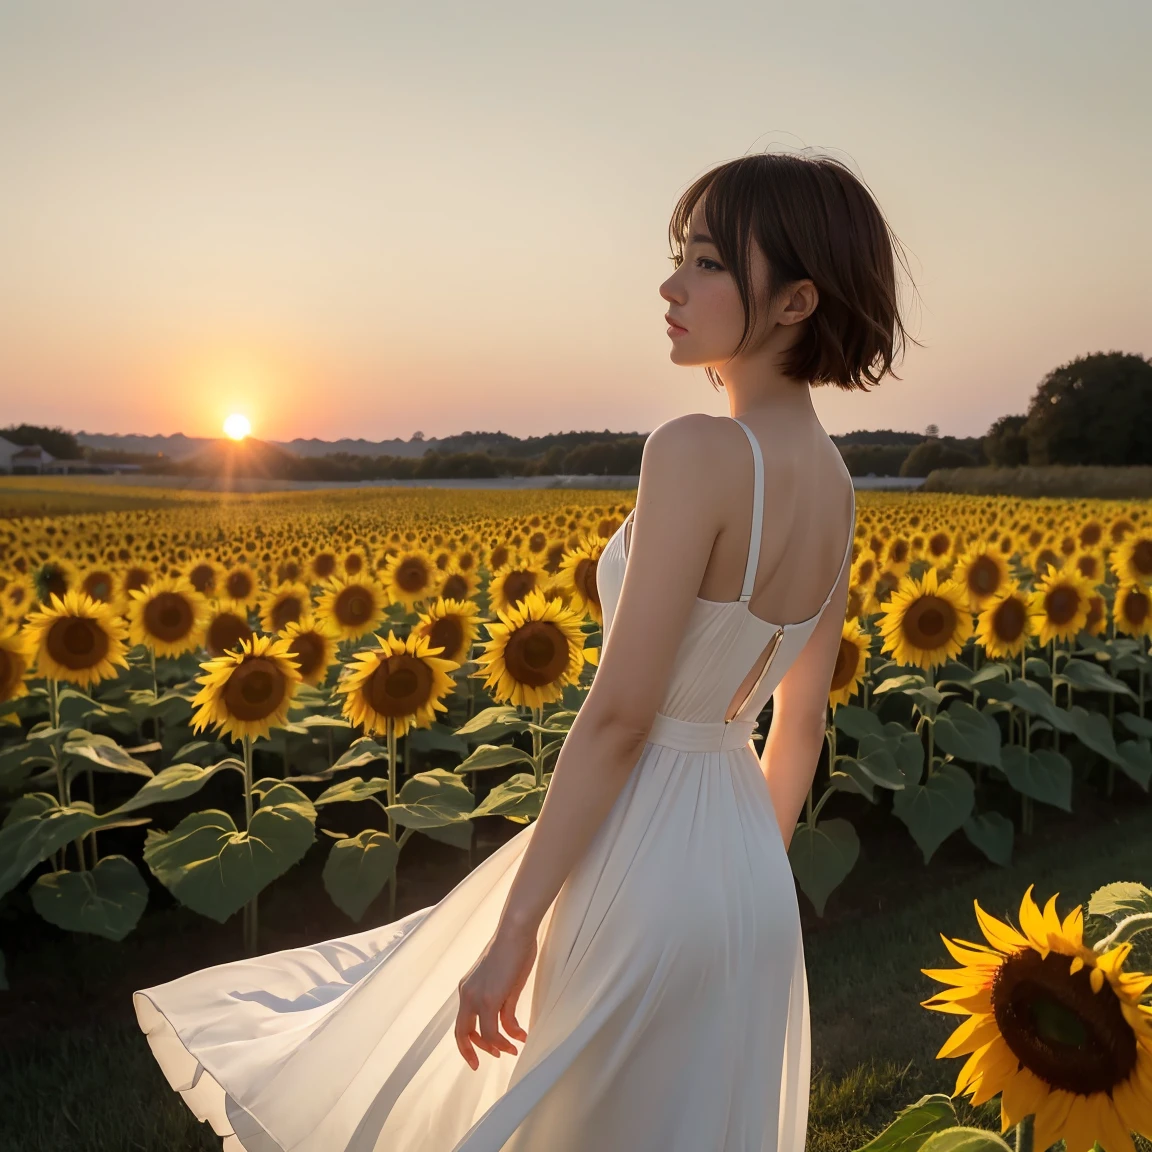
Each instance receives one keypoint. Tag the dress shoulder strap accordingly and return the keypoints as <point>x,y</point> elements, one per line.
<point>757,513</point>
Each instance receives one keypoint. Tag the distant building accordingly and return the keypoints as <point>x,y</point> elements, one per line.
<point>7,451</point>
<point>32,459</point>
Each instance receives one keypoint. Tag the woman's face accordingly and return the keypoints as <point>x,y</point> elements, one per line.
<point>704,302</point>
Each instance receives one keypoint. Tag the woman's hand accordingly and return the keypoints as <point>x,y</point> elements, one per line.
<point>490,990</point>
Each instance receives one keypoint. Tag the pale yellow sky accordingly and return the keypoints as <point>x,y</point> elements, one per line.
<point>353,219</point>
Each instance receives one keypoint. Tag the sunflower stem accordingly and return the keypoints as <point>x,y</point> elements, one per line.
<point>250,909</point>
<point>537,763</point>
<point>391,743</point>
<point>1024,1134</point>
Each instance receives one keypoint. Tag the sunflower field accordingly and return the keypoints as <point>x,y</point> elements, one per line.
<point>325,649</point>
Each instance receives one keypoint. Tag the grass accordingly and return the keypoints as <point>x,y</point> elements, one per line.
<point>92,1085</point>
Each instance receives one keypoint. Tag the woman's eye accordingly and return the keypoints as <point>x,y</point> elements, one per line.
<point>707,261</point>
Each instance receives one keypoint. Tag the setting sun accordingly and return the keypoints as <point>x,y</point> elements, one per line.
<point>237,426</point>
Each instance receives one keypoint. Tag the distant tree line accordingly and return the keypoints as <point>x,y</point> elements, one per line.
<point>1095,410</point>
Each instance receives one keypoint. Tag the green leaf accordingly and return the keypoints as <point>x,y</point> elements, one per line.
<point>968,734</point>
<point>908,750</point>
<point>361,752</point>
<point>877,768</point>
<point>213,868</point>
<point>105,753</point>
<point>494,756</point>
<point>37,826</point>
<point>914,1124</point>
<point>821,856</point>
<point>518,798</point>
<point>1138,725</point>
<point>965,1140</point>
<point>432,799</point>
<point>932,811</point>
<point>1031,697</point>
<point>1089,676</point>
<point>1044,775</point>
<point>455,835</point>
<point>497,720</point>
<point>106,901</point>
<point>1120,899</point>
<point>1136,761</point>
<point>992,833</point>
<point>175,782</point>
<point>1094,732</point>
<point>351,790</point>
<point>357,869</point>
<point>903,682</point>
<point>857,722</point>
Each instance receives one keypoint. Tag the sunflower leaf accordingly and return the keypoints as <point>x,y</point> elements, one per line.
<point>914,1124</point>
<point>1089,676</point>
<point>932,811</point>
<point>821,856</point>
<point>1136,761</point>
<point>174,783</point>
<point>357,869</point>
<point>107,900</point>
<point>350,790</point>
<point>968,734</point>
<point>1120,899</point>
<point>1094,732</point>
<point>992,833</point>
<point>494,756</point>
<point>518,798</point>
<point>857,722</point>
<point>212,867</point>
<point>1044,775</point>
<point>965,1140</point>
<point>104,752</point>
<point>432,799</point>
<point>1137,725</point>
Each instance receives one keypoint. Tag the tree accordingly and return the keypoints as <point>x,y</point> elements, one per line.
<point>55,441</point>
<point>933,454</point>
<point>1093,410</point>
<point>932,430</point>
<point>1004,442</point>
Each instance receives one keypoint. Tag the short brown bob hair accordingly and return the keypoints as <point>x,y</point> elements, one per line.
<point>814,219</point>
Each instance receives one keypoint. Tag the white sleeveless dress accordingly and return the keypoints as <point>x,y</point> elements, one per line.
<point>668,1001</point>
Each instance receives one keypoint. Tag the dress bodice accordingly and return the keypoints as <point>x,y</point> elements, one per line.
<point>722,642</point>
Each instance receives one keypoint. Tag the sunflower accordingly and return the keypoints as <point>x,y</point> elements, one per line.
<point>53,578</point>
<point>77,639</point>
<point>240,586</point>
<point>450,625</point>
<point>457,583</point>
<point>1132,610</point>
<point>925,622</point>
<point>313,646</point>
<point>287,603</point>
<point>13,663</point>
<point>322,566</point>
<point>1054,1026</point>
<point>205,574</point>
<point>353,607</point>
<point>577,574</point>
<point>132,579</point>
<point>851,663</point>
<point>1059,605</point>
<point>167,616</point>
<point>246,693</point>
<point>534,652</point>
<point>225,629</point>
<point>410,575</point>
<point>17,599</point>
<point>1132,560</point>
<point>1004,625</point>
<point>100,584</point>
<point>983,574</point>
<point>402,681</point>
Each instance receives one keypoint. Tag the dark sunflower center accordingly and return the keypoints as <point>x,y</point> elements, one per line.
<point>446,633</point>
<point>288,572</point>
<point>1008,619</point>
<point>1142,557</point>
<point>353,606</point>
<point>308,648</point>
<point>255,689</point>
<point>847,663</point>
<point>286,611</point>
<point>400,686</point>
<point>537,653</point>
<point>983,576</point>
<point>203,579</point>
<point>353,564</point>
<point>77,642</point>
<point>135,579</point>
<point>168,616</point>
<point>324,564</point>
<point>52,582</point>
<point>1071,1037</point>
<point>929,622</point>
<point>1136,607</point>
<point>238,585</point>
<point>455,587</point>
<point>517,585</point>
<point>226,632</point>
<point>412,575</point>
<point>499,556</point>
<point>98,585</point>
<point>1061,604</point>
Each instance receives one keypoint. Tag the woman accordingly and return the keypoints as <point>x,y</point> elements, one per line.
<point>648,919</point>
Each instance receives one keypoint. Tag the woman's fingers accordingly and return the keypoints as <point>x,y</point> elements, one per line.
<point>508,1019</point>
<point>490,1030</point>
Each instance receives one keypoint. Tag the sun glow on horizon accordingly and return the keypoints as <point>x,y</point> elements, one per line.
<point>237,427</point>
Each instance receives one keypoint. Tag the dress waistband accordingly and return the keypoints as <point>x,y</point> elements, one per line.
<point>699,735</point>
